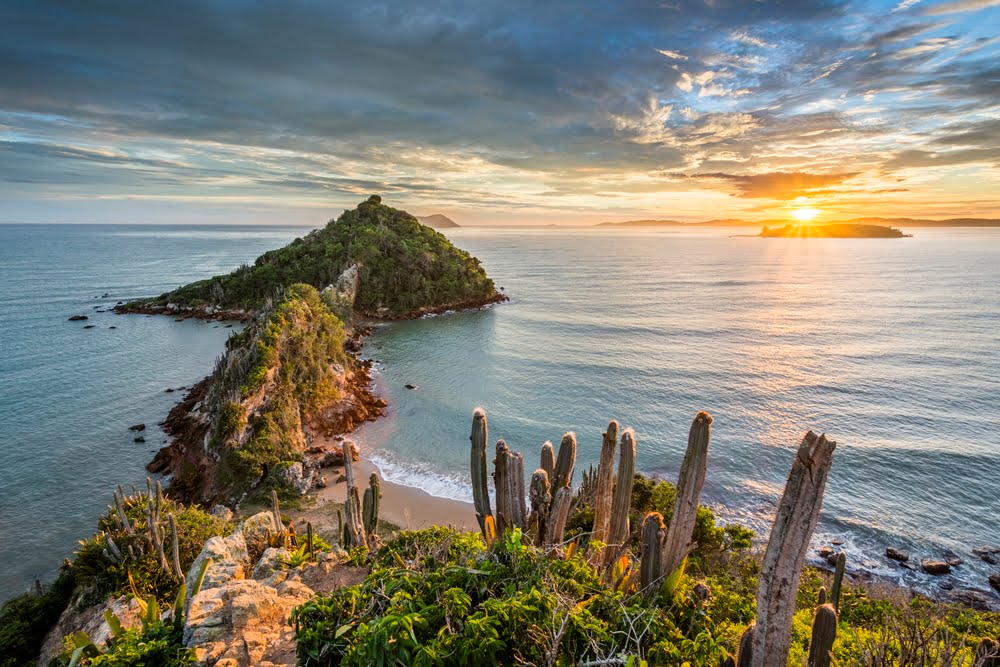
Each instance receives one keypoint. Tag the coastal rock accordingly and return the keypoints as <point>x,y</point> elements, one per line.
<point>896,554</point>
<point>978,600</point>
<point>987,554</point>
<point>271,561</point>
<point>137,427</point>
<point>139,439</point>
<point>322,482</point>
<point>825,552</point>
<point>256,528</point>
<point>935,567</point>
<point>411,386</point>
<point>228,554</point>
<point>300,477</point>
<point>995,582</point>
<point>78,318</point>
<point>90,620</point>
<point>335,458</point>
<point>90,326</point>
<point>221,512</point>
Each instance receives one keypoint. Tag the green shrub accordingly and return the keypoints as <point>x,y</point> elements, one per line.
<point>440,597</point>
<point>25,619</point>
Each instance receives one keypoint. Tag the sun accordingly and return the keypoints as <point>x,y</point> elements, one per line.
<point>805,214</point>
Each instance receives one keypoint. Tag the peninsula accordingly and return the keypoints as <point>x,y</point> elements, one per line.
<point>832,231</point>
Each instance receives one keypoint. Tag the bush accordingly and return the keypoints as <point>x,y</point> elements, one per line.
<point>25,620</point>
<point>440,597</point>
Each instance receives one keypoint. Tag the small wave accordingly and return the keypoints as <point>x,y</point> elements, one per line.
<point>420,476</point>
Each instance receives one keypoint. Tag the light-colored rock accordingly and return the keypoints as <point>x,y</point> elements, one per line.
<point>229,556</point>
<point>258,526</point>
<point>90,620</point>
<point>221,512</point>
<point>300,477</point>
<point>271,561</point>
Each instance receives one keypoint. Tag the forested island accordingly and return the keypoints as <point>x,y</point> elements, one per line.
<point>832,231</point>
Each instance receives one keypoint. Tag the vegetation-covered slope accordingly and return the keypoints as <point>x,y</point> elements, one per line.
<point>286,369</point>
<point>404,267</point>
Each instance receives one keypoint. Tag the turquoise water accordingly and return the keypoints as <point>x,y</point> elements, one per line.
<point>69,394</point>
<point>890,346</point>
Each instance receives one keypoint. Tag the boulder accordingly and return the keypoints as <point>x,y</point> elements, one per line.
<point>896,554</point>
<point>257,527</point>
<point>300,477</point>
<point>137,427</point>
<point>335,457</point>
<point>221,512</point>
<point>139,439</point>
<point>271,561</point>
<point>935,567</point>
<point>411,386</point>
<point>229,556</point>
<point>825,552</point>
<point>78,318</point>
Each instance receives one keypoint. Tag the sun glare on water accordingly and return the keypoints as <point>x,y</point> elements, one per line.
<point>805,214</point>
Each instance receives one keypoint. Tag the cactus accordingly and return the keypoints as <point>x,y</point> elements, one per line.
<point>794,523</point>
<point>341,530</point>
<point>548,463</point>
<point>540,502</point>
<point>824,632</point>
<point>605,484</point>
<point>276,512</point>
<point>373,497</point>
<point>821,596</point>
<point>120,506</point>
<point>622,498</point>
<point>354,532</point>
<point>650,572</point>
<point>557,517</point>
<point>156,535</point>
<point>480,489</point>
<point>838,579</point>
<point>689,485</point>
<point>987,653</point>
<point>309,538</point>
<point>745,655</point>
<point>113,551</point>
<point>508,479</point>
<point>563,475</point>
<point>174,549</point>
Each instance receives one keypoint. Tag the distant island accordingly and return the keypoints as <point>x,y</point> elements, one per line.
<point>883,222</point>
<point>832,231</point>
<point>437,221</point>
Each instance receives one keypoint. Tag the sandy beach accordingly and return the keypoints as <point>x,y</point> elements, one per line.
<point>408,507</point>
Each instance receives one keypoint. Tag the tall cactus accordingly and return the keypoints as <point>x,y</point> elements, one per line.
<point>563,475</point>
<point>557,517</point>
<point>508,479</point>
<point>540,502</point>
<point>276,513</point>
<point>605,484</point>
<point>372,500</point>
<point>745,654</point>
<point>174,548</point>
<point>798,512</point>
<point>622,498</point>
<point>548,462</point>
<point>824,632</point>
<point>480,476</point>
<point>838,580</point>
<point>354,533</point>
<point>650,571</point>
<point>689,485</point>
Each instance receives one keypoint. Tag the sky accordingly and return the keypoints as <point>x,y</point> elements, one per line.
<point>498,112</point>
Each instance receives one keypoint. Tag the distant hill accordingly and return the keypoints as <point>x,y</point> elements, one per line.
<point>884,222</point>
<point>437,221</point>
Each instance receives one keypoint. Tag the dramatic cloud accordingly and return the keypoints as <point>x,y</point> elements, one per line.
<point>496,111</point>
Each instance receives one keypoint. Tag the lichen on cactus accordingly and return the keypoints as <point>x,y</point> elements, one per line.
<point>824,632</point>
<point>689,485</point>
<point>541,500</point>
<point>622,497</point>
<point>508,479</point>
<point>650,571</point>
<point>480,476</point>
<point>548,459</point>
<point>563,475</point>
<point>605,484</point>
<point>370,511</point>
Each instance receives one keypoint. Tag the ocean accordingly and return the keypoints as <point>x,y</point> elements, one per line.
<point>891,347</point>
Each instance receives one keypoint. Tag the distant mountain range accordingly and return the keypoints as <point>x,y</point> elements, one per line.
<point>886,222</point>
<point>437,221</point>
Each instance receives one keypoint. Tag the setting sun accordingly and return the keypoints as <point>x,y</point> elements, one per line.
<point>805,214</point>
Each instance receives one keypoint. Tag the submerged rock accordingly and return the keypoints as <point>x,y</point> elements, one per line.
<point>78,318</point>
<point>896,554</point>
<point>935,567</point>
<point>137,427</point>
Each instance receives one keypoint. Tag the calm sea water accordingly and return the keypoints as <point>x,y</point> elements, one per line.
<point>891,347</point>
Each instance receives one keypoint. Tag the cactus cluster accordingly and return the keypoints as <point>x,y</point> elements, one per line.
<point>155,535</point>
<point>359,522</point>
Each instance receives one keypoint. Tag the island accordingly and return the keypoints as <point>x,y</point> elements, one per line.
<point>437,221</point>
<point>833,231</point>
